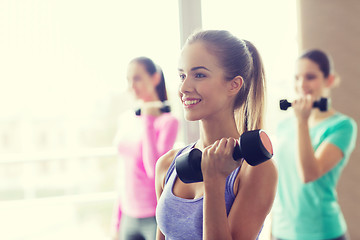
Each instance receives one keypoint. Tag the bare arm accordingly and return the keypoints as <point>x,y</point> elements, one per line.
<point>155,146</point>
<point>312,165</point>
<point>115,220</point>
<point>215,223</point>
<point>253,201</point>
<point>162,167</point>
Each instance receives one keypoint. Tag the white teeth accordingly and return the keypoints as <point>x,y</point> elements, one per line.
<point>191,102</point>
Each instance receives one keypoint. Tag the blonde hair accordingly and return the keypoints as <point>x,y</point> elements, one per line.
<point>239,58</point>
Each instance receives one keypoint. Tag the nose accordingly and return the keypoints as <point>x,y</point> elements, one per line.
<point>301,83</point>
<point>185,85</point>
<point>131,84</point>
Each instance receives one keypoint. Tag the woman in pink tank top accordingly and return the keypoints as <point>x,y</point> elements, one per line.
<point>142,137</point>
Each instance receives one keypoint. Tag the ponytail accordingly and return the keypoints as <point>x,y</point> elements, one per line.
<point>161,88</point>
<point>250,114</point>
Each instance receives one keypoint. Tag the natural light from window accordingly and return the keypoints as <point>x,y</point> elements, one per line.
<point>63,84</point>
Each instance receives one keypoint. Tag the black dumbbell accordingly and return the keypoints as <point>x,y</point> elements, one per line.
<point>165,108</point>
<point>254,146</point>
<point>322,104</point>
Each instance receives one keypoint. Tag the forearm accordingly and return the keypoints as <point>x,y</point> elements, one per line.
<point>115,220</point>
<point>157,144</point>
<point>307,164</point>
<point>149,146</point>
<point>215,223</point>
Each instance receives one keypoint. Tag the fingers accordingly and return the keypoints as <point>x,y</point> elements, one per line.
<point>303,107</point>
<point>224,145</point>
<point>218,159</point>
<point>304,102</point>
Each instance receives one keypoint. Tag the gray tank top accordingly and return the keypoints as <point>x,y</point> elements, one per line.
<point>182,219</point>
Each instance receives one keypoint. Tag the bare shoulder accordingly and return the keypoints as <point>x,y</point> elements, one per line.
<point>265,173</point>
<point>261,176</point>
<point>162,166</point>
<point>165,160</point>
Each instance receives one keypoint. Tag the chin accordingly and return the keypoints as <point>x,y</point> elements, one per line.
<point>191,117</point>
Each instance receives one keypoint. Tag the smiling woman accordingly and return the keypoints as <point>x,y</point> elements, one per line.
<point>201,69</point>
<point>318,147</point>
<point>221,76</point>
<point>140,140</point>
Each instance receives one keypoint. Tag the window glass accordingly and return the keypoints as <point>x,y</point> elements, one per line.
<point>63,84</point>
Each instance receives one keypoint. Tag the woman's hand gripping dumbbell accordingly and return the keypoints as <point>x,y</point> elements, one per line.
<point>164,107</point>
<point>254,146</point>
<point>322,104</point>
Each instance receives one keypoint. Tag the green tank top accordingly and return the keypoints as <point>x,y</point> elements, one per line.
<point>310,211</point>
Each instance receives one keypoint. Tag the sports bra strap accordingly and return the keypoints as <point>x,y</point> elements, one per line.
<point>172,165</point>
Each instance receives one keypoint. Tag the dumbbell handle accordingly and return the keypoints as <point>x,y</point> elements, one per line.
<point>163,106</point>
<point>254,146</point>
<point>322,104</point>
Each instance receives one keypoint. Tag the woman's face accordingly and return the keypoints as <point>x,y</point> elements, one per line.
<point>309,79</point>
<point>203,88</point>
<point>141,83</point>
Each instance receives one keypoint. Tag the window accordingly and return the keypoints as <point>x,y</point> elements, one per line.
<point>63,82</point>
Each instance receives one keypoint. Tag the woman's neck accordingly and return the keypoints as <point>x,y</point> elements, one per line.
<point>215,129</point>
<point>318,116</point>
<point>151,98</point>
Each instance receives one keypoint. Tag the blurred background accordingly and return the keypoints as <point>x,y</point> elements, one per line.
<point>63,84</point>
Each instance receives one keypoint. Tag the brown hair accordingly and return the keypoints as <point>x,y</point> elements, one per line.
<point>324,61</point>
<point>152,68</point>
<point>239,58</point>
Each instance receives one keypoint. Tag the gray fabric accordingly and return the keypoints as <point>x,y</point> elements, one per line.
<point>137,228</point>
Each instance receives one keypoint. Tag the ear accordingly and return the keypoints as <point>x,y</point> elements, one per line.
<point>156,78</point>
<point>330,80</point>
<point>235,85</point>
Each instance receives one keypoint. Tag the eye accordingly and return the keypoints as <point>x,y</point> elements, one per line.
<point>199,75</point>
<point>182,76</point>
<point>136,78</point>
<point>310,76</point>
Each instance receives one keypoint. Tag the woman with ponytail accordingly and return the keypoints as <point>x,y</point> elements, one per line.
<point>142,137</point>
<point>222,86</point>
<point>318,147</point>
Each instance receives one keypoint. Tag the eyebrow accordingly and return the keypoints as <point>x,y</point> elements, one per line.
<point>196,68</point>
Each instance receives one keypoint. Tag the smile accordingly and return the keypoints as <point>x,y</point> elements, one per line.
<point>189,103</point>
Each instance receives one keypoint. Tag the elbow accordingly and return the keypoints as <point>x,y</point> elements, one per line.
<point>150,173</point>
<point>309,178</point>
<point>306,180</point>
<point>149,168</point>
<point>310,174</point>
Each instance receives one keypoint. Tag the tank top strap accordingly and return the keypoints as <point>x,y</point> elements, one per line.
<point>172,165</point>
<point>231,180</point>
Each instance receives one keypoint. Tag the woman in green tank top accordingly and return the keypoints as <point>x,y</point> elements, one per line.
<point>314,147</point>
